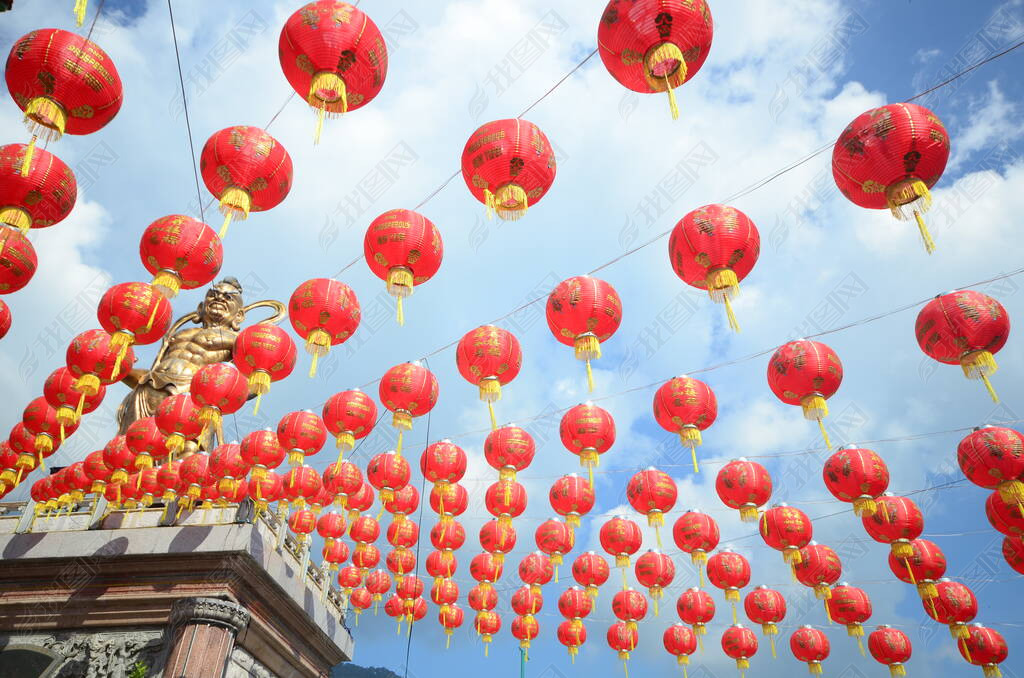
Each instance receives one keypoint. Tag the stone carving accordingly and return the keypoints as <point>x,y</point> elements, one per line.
<point>244,665</point>
<point>99,655</point>
<point>214,611</point>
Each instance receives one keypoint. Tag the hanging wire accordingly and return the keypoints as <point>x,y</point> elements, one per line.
<point>184,100</point>
<point>419,541</point>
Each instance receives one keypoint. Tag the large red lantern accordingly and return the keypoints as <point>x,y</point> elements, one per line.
<point>986,648</point>
<point>378,582</point>
<point>993,457</point>
<point>325,313</point>
<point>1013,551</point>
<point>536,570</point>
<point>195,475</point>
<point>408,390</point>
<point>349,578</point>
<point>443,463</point>
<point>744,485</point>
<point>302,484</point>
<point>889,157</point>
<point>302,434</point>
<point>571,497</point>
<point>489,357</point>
<point>349,416</point>
<point>926,566</point>
<point>818,568</point>
<point>449,501</point>
<point>441,565</point>
<point>587,431</point>
<point>574,603</point>
<point>806,373</point>
<point>572,633</point>
<point>5,319</point>
<point>680,642</point>
<point>623,638</point>
<point>967,328</point>
<point>302,523</point>
<point>143,438</point>
<point>655,571</point>
<point>652,46</point>
<point>181,253</point>
<point>505,500</point>
<point>897,522</point>
<point>68,404</point>
<point>404,249</point>
<point>247,170</point>
<point>44,196</point>
<point>858,476</point>
<point>445,591</point>
<point>686,406</point>
<point>482,597</point>
<point>555,538</point>
<point>739,643</point>
<point>590,570</point>
<point>218,389</point>
<point>262,452</point>
<point>851,606</point>
<point>583,312</point>
<point>1004,518</point>
<point>361,599</point>
<point>696,608</point>
<point>730,572</point>
<point>40,420</point>
<point>621,537</point>
<point>508,165</point>
<point>810,645</point>
<point>713,248</point>
<point>177,417</point>
<point>404,503</point>
<point>954,605</point>
<point>487,624</point>
<point>64,83</point>
<point>786,528</point>
<point>18,261</point>
<point>388,472</point>
<point>509,449</point>
<point>652,492</point>
<point>527,601</point>
<point>891,647</point>
<point>766,607</point>
<point>331,526</point>
<point>630,606</point>
<point>497,538</point>
<point>400,561</point>
<point>525,628</point>
<point>334,56</point>
<point>450,618</point>
<point>263,353</point>
<point>133,313</point>
<point>697,534</point>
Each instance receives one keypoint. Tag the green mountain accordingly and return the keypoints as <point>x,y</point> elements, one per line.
<point>349,670</point>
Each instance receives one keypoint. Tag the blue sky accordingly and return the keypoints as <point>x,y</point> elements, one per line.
<point>783,79</point>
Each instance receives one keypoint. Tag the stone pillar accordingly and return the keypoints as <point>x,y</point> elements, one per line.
<point>202,633</point>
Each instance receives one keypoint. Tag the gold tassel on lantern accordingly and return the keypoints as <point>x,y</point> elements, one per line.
<point>771,630</point>
<point>123,340</point>
<point>79,11</point>
<point>211,420</point>
<point>749,513</point>
<point>896,670</point>
<point>814,668</point>
<point>399,285</point>
<point>822,592</point>
<point>689,436</point>
<point>17,218</point>
<point>401,420</point>
<point>660,75</point>
<point>864,506</point>
<point>912,194</point>
<point>723,286</point>
<point>318,343</point>
<point>490,393</point>
<point>857,631</point>
<point>979,365</point>
<point>903,550</point>
<point>489,203</point>
<point>326,83</point>
<point>815,407</point>
<point>1010,491</point>
<point>234,203</point>
<point>991,671</point>
<point>588,348</point>
<point>510,202</point>
<point>259,383</point>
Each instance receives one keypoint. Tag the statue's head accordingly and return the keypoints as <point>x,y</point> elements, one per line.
<point>223,305</point>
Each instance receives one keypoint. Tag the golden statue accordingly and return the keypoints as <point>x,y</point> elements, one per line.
<point>183,351</point>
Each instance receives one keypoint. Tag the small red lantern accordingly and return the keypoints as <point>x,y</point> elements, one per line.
<point>583,312</point>
<point>9,472</point>
<point>655,571</point>
<point>858,476</point>
<point>889,157</point>
<point>653,493</point>
<point>527,601</point>
<point>810,645</point>
<point>444,592</point>
<point>334,56</point>
<point>144,439</point>
<point>713,248</point>
<point>378,582</point>
<point>195,475</point>
<point>587,431</point>
<point>359,501</point>
<point>408,390</point>
<point>1004,518</point>
<point>44,196</point>
<point>891,647</point>
<point>59,99</point>
<point>993,457</point>
<point>590,570</point>
<point>525,628</point>
<point>623,638</point>
<point>851,606</point>
<point>18,261</point>
<point>686,406</point>
<point>349,578</point>
<point>508,165</point>
<point>40,420</point>
<point>360,599</point>
<point>766,607</point>
<point>263,353</point>
<point>325,313</point>
<point>181,253</point>
<point>986,648</point>
<point>922,569</point>
<point>302,484</point>
<point>177,418</point>
<point>897,522</point>
<point>555,538</point>
<point>497,538</point>
<point>349,416</point>
<point>133,313</point>
<point>68,404</point>
<point>404,503</point>
<point>451,618</point>
<point>489,357</point>
<point>621,537</point>
<point>680,642</point>
<point>536,570</point>
<point>572,633</point>
<point>505,500</point>
<point>441,565</point>
<point>509,449</point>
<point>744,485</point>
<point>364,529</point>
<point>218,389</point>
<point>629,606</point>
<point>697,534</point>
<point>1013,552</point>
<point>401,561</point>
<point>404,249</point>
<point>449,501</point>
<point>5,319</point>
<point>487,624</point>
<point>366,557</point>
<point>168,476</point>
<point>486,568</point>
<point>571,497</point>
<point>806,373</point>
<point>739,643</point>
<point>954,605</point>
<point>730,572</point>
<point>818,567</point>
<point>575,603</point>
<point>247,170</point>
<point>302,522</point>
<point>331,526</point>
<point>787,529</point>
<point>443,463</point>
<point>302,434</point>
<point>388,472</point>
<point>655,46</point>
<point>481,598</point>
<point>263,453</point>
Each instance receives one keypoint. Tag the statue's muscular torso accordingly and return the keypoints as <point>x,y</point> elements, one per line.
<point>187,351</point>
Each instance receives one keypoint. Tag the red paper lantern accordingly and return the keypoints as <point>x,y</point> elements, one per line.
<point>806,373</point>
<point>325,313</point>
<point>766,607</point>
<point>623,638</point>
<point>18,261</point>
<point>349,578</point>
<point>404,249</point>
<point>450,618</point>
<point>448,501</point>
<point>23,444</point>
<point>331,526</point>
<point>653,493</point>
<point>334,56</point>
<point>218,389</point>
<point>227,465</point>
<point>818,567</point>
<point>697,534</point>
<point>1013,552</point>
<point>388,472</point>
<point>986,648</point>
<point>572,633</point>
<point>302,522</point>
<point>851,606</point>
<point>810,645</point>
<point>378,583</point>
<point>891,647</point>
<point>482,597</point>
<point>587,431</point>
<point>787,529</point>
<point>349,416</point>
<point>168,476</point>
<point>263,353</point>
<point>629,606</point>
<point>40,420</point>
<point>509,449</point>
<point>497,538</point>
<point>364,529</point>
<point>486,568</point>
<point>590,570</point>
<point>360,599</point>
<point>404,503</point>
<point>583,312</point>
<point>5,319</point>
<point>44,196</point>
<point>195,475</point>
<point>655,571</point>
<point>61,396</point>
<point>527,601</point>
<point>177,417</point>
<point>302,434</point>
<point>445,592</point>
<point>536,570</point>
<point>993,457</point>
<point>301,486</point>
<point>571,497</point>
<point>858,476</point>
<point>714,247</point>
<point>555,538</point>
<point>686,406</point>
<point>401,561</point>
<point>922,569</point>
<point>966,328</point>
<point>744,485</point>
<point>263,453</point>
<point>525,628</point>
<point>443,463</point>
<point>505,500</point>
<point>897,522</point>
<point>247,170</point>
<point>889,157</point>
<point>575,603</point>
<point>730,572</point>
<point>181,253</point>
<point>621,537</point>
<point>508,165</point>
<point>739,643</point>
<point>954,605</point>
<point>680,642</point>
<point>365,557</point>
<point>10,475</point>
<point>342,480</point>
<point>64,83</point>
<point>143,437</point>
<point>1004,518</point>
<point>655,46</point>
<point>487,624</point>
<point>407,390</point>
<point>489,357</point>
<point>441,565</point>
<point>133,313</point>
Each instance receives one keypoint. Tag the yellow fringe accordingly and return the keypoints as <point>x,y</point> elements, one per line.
<point>511,193</point>
<point>80,6</point>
